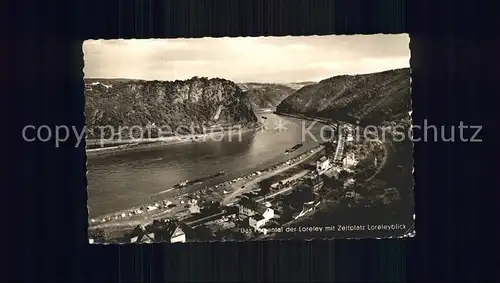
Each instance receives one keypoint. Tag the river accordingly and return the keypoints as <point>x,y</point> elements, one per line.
<point>131,179</point>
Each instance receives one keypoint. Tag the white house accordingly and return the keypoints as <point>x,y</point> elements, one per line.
<point>268,213</point>
<point>178,236</point>
<point>194,208</point>
<point>141,235</point>
<point>143,239</point>
<point>275,185</point>
<point>352,194</point>
<point>323,165</point>
<point>257,222</point>
<point>258,214</point>
<point>350,161</point>
<point>249,208</point>
<point>350,137</point>
<point>348,182</point>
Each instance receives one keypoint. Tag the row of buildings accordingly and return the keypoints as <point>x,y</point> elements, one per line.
<point>258,214</point>
<point>168,231</point>
<point>348,163</point>
<point>159,231</point>
<point>255,213</point>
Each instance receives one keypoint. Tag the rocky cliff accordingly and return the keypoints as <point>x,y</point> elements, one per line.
<point>369,98</point>
<point>198,102</point>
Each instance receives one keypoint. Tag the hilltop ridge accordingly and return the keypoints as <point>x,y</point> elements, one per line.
<point>369,98</point>
<point>194,102</point>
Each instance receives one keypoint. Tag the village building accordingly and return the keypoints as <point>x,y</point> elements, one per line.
<point>349,182</point>
<point>249,208</point>
<point>258,214</point>
<point>351,194</point>
<point>163,232</point>
<point>194,208</point>
<point>350,137</point>
<point>316,182</point>
<point>178,236</point>
<point>276,185</point>
<point>333,173</point>
<point>141,235</point>
<point>349,161</point>
<point>257,222</point>
<point>323,165</point>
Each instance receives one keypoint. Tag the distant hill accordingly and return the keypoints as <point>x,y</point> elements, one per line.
<point>369,98</point>
<point>109,81</point>
<point>300,85</point>
<point>267,95</point>
<point>195,102</point>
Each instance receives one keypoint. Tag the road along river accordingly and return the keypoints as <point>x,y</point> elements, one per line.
<point>131,179</point>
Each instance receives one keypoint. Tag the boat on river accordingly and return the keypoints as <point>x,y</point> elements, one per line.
<point>199,180</point>
<point>294,148</point>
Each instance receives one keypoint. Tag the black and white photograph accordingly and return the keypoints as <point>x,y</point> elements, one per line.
<point>249,138</point>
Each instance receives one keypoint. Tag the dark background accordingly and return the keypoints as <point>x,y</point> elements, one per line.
<point>45,212</point>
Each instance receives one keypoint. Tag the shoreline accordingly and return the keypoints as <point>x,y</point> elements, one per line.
<point>153,143</point>
<point>222,192</point>
<point>323,120</point>
<point>215,192</point>
<point>234,188</point>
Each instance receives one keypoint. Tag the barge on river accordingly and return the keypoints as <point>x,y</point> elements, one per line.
<point>294,148</point>
<point>199,180</point>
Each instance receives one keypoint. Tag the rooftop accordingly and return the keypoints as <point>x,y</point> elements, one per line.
<point>250,204</point>
<point>163,230</point>
<point>257,217</point>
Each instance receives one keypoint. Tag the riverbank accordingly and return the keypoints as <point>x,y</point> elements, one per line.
<point>153,143</point>
<point>266,174</point>
<point>303,117</point>
<point>176,203</point>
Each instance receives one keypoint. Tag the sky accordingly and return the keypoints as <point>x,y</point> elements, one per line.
<point>246,59</point>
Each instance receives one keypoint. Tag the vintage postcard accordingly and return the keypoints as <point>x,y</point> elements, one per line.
<point>240,139</point>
